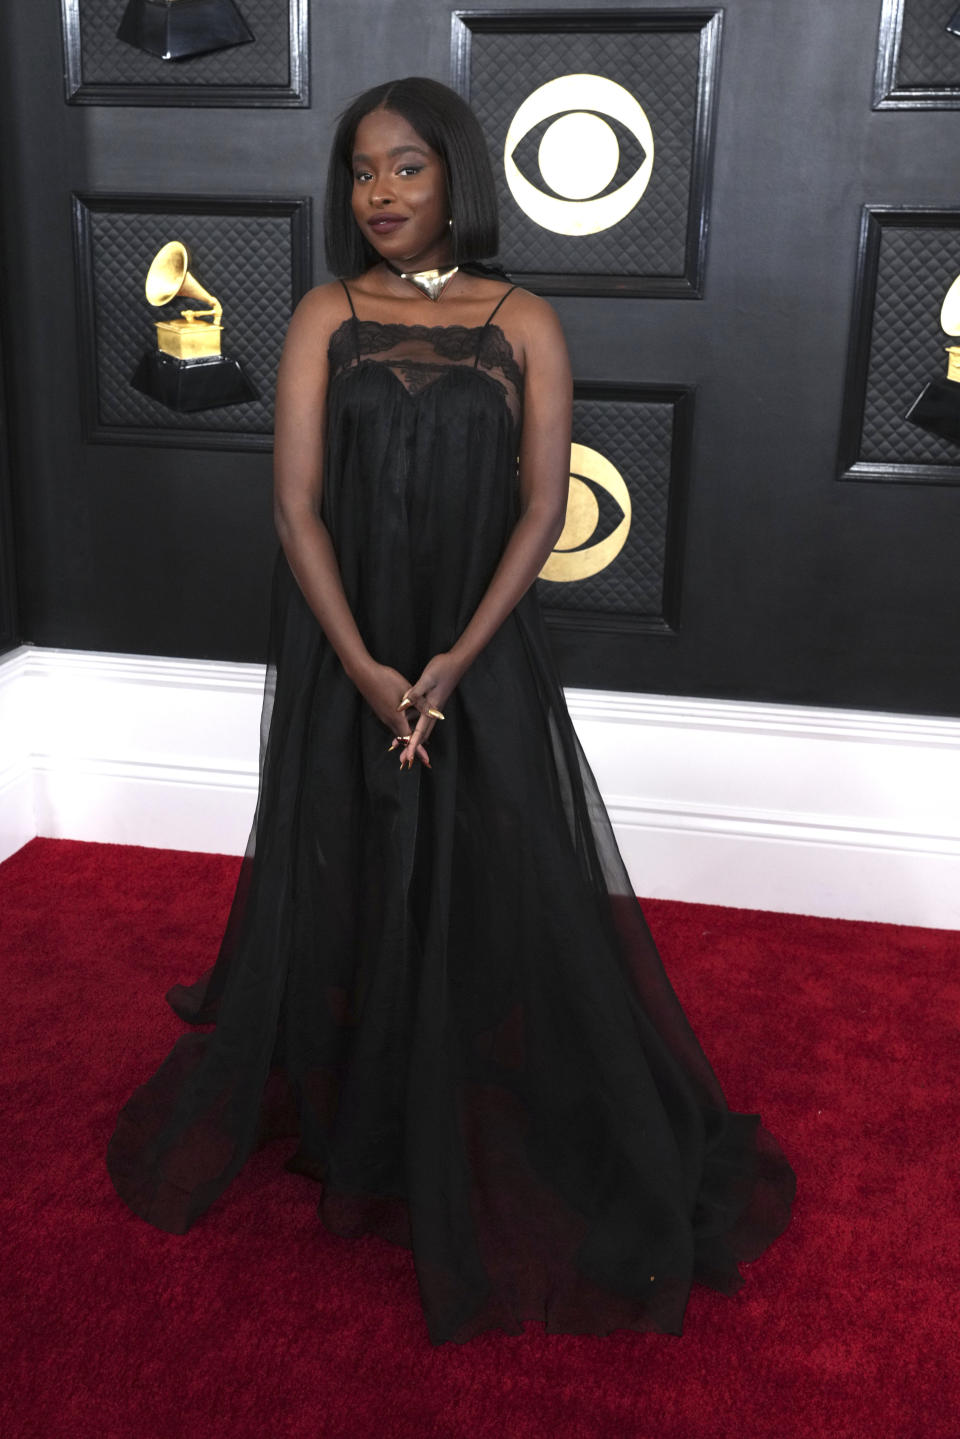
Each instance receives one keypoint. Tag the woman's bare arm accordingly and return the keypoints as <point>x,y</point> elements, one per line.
<point>298,488</point>
<point>298,474</point>
<point>544,477</point>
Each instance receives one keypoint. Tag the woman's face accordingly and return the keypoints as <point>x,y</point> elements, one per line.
<point>399,195</point>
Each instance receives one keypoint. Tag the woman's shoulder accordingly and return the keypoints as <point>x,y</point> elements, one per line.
<point>322,299</point>
<point>528,305</point>
<point>320,311</point>
<point>529,319</point>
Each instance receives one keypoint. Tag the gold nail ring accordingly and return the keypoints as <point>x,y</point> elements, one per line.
<point>437,714</point>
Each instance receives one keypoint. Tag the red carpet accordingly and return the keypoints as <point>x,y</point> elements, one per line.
<point>260,1323</point>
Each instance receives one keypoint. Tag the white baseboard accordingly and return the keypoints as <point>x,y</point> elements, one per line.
<point>844,813</point>
<point>17,822</point>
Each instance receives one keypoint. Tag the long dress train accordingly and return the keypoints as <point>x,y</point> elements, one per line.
<point>441,981</point>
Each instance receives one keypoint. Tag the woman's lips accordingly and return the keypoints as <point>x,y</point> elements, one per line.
<point>384,224</point>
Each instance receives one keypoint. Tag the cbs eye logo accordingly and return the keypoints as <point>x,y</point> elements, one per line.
<point>599,132</point>
<point>573,556</point>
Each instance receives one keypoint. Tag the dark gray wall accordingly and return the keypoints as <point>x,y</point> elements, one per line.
<point>796,587</point>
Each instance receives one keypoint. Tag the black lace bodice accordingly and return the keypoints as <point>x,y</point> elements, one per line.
<point>419,354</point>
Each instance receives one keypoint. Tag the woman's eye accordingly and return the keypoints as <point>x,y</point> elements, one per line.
<point>362,175</point>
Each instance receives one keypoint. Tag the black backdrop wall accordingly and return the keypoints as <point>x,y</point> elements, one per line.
<point>801,535</point>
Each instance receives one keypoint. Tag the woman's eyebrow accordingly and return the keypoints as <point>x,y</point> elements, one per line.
<point>397,150</point>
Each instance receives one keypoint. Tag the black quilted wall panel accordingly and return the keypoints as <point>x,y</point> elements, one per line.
<point>269,69</point>
<point>636,436</point>
<point>929,54</point>
<point>903,342</point>
<point>661,69</point>
<point>253,262</point>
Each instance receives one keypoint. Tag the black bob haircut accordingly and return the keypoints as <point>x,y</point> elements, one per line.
<point>445,121</point>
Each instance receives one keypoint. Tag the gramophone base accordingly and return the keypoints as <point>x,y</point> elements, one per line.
<point>937,409</point>
<point>188,385</point>
<point>177,29</point>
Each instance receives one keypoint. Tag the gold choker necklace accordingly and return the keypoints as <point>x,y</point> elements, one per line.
<point>432,283</point>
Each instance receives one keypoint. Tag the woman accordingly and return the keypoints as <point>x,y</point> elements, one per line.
<point>436,974</point>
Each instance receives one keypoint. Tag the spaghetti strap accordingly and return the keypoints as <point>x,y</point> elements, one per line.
<point>506,293</point>
<point>496,307</point>
<point>356,333</point>
<point>349,297</point>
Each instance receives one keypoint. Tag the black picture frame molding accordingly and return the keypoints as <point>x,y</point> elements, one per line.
<point>296,94</point>
<point>83,204</point>
<point>667,623</point>
<point>873,219</point>
<point>464,24</point>
<point>888,94</point>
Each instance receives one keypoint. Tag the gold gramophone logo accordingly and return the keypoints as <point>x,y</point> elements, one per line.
<point>579,154</point>
<point>187,370</point>
<point>574,557</point>
<point>950,325</point>
<point>937,407</point>
<point>169,278</point>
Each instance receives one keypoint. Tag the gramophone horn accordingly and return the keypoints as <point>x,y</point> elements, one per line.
<point>950,309</point>
<point>169,277</point>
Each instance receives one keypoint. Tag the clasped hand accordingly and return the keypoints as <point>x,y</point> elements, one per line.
<point>384,689</point>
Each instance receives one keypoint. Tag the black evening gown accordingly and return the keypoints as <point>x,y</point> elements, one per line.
<point>440,982</point>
